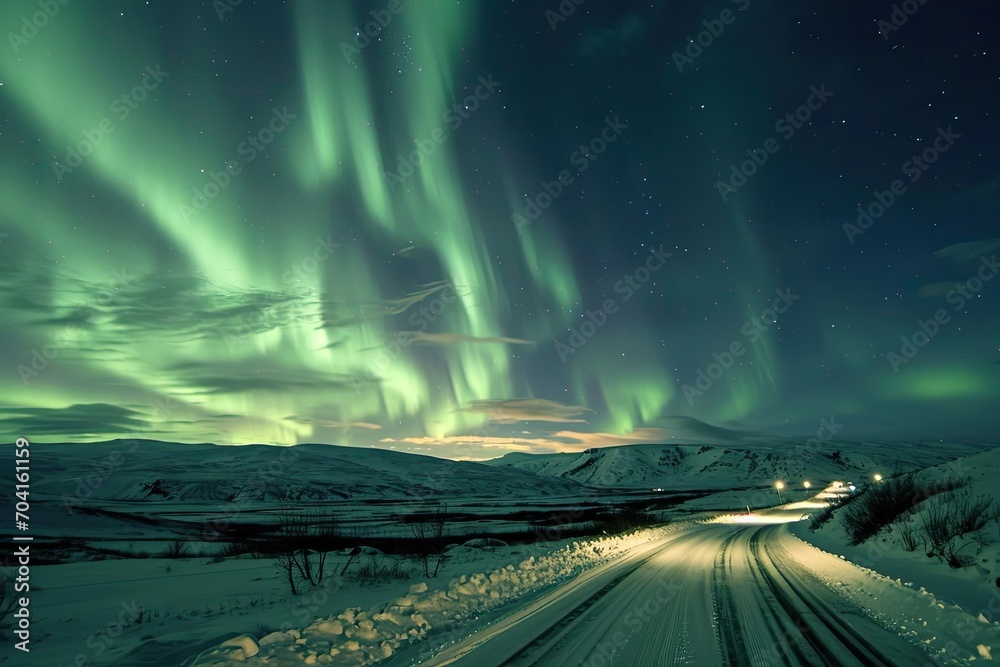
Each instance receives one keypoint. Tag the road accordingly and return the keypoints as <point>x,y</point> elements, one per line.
<point>718,594</point>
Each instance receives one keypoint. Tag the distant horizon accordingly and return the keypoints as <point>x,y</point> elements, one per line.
<point>762,441</point>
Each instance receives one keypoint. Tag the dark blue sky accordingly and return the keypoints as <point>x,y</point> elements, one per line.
<point>475,234</point>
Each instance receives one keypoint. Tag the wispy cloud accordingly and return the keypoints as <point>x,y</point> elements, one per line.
<point>552,443</point>
<point>689,428</point>
<point>233,377</point>
<point>971,250</point>
<point>81,419</point>
<point>510,411</point>
<point>331,423</point>
<point>426,338</point>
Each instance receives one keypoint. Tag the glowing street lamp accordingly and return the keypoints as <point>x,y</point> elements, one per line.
<point>806,484</point>
<point>779,486</point>
<point>878,477</point>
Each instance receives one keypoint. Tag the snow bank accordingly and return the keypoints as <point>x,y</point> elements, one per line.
<point>913,560</point>
<point>356,637</point>
<point>948,633</point>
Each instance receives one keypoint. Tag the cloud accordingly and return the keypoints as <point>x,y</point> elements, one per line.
<point>331,423</point>
<point>453,338</point>
<point>574,441</point>
<point>971,250</point>
<point>553,443</point>
<point>233,377</point>
<point>986,189</point>
<point>402,304</point>
<point>155,307</point>
<point>510,411</point>
<point>81,419</point>
<point>684,427</point>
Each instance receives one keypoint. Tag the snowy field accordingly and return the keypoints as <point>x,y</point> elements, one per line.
<point>159,611</point>
<point>657,592</point>
<point>109,595</point>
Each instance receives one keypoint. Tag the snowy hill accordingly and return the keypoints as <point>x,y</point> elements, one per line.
<point>680,467</point>
<point>959,557</point>
<point>145,470</point>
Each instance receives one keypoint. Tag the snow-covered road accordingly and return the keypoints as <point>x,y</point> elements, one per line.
<point>722,593</point>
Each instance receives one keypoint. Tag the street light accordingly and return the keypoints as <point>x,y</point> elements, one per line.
<point>779,486</point>
<point>806,484</point>
<point>878,477</point>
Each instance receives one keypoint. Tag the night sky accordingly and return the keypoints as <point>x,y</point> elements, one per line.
<point>494,227</point>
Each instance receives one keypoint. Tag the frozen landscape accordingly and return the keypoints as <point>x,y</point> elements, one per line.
<point>169,563</point>
<point>583,333</point>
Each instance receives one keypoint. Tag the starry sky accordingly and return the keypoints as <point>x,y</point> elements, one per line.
<point>498,226</point>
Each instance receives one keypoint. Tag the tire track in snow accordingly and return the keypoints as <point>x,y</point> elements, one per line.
<point>730,640</point>
<point>827,632</point>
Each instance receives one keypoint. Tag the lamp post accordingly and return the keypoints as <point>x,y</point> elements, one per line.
<point>779,486</point>
<point>878,477</point>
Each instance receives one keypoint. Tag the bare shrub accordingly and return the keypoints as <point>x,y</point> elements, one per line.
<point>947,520</point>
<point>175,549</point>
<point>907,534</point>
<point>380,569</point>
<point>817,520</point>
<point>428,529</point>
<point>883,502</point>
<point>304,538</point>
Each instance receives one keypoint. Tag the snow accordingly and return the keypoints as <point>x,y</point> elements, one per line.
<point>950,634</point>
<point>358,637</point>
<point>239,648</point>
<point>975,588</point>
<point>238,610</point>
<point>150,471</point>
<point>684,467</point>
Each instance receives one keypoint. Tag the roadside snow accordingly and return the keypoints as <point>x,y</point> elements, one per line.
<point>973,588</point>
<point>358,637</point>
<point>947,632</point>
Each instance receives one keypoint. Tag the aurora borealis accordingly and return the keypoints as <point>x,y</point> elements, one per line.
<point>253,222</point>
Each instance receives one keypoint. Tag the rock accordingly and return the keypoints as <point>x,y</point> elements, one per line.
<point>276,638</point>
<point>244,642</point>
